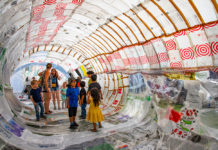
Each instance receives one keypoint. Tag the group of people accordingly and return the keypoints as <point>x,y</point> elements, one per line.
<point>73,95</point>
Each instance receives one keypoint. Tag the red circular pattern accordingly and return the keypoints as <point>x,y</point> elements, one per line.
<point>187,53</point>
<point>176,64</point>
<point>203,50</point>
<point>181,33</point>
<point>214,47</point>
<point>210,25</point>
<point>163,57</point>
<point>196,29</point>
<point>170,45</point>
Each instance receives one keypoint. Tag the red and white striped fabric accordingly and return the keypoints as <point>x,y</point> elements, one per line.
<point>102,63</point>
<point>125,59</point>
<point>143,58</point>
<point>151,55</point>
<point>117,60</point>
<point>37,32</point>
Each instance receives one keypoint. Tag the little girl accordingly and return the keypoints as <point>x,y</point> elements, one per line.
<point>94,115</point>
<point>63,95</point>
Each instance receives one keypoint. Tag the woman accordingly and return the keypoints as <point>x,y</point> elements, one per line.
<point>55,88</point>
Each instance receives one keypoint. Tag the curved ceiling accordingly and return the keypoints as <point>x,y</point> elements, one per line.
<point>115,35</point>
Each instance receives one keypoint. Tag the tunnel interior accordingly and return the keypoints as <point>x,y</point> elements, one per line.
<point>156,61</point>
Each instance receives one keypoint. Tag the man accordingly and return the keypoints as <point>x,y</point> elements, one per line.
<point>95,84</point>
<point>46,85</point>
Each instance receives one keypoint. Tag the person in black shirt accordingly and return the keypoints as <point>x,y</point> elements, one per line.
<point>96,85</point>
<point>36,98</point>
<point>83,100</point>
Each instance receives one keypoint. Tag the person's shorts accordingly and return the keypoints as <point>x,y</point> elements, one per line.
<point>72,111</point>
<point>54,88</point>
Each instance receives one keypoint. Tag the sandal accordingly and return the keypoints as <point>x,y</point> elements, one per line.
<point>50,111</point>
<point>47,113</point>
<point>93,130</point>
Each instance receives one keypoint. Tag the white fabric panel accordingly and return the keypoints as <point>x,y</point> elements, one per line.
<point>173,13</point>
<point>133,26</point>
<point>111,82</point>
<point>142,57</point>
<point>145,31</point>
<point>166,24</point>
<point>201,46</point>
<point>206,10</point>
<point>125,28</point>
<point>131,54</point>
<point>102,64</point>
<point>161,52</point>
<point>186,50</point>
<point>117,60</point>
<point>107,62</point>
<point>188,12</point>
<point>120,33</point>
<point>126,40</point>
<point>151,23</point>
<point>173,52</point>
<point>109,36</point>
<point>151,55</point>
<point>116,81</point>
<point>211,31</point>
<point>125,59</point>
<point>108,49</point>
<point>107,40</point>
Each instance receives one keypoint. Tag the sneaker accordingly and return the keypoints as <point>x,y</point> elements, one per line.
<point>75,124</point>
<point>72,126</point>
<point>43,116</point>
<point>37,119</point>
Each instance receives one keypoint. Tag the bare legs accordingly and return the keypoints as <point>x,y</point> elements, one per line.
<point>72,119</point>
<point>55,95</point>
<point>47,97</point>
<point>94,127</point>
<point>58,99</point>
<point>53,98</point>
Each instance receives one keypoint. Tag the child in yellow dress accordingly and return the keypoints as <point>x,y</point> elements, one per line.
<point>94,115</point>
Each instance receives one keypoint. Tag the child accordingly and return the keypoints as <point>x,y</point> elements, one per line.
<point>36,98</point>
<point>90,73</point>
<point>95,84</point>
<point>83,100</point>
<point>94,114</point>
<point>63,95</point>
<point>72,103</point>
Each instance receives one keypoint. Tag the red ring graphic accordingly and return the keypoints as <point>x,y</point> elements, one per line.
<point>187,53</point>
<point>203,50</point>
